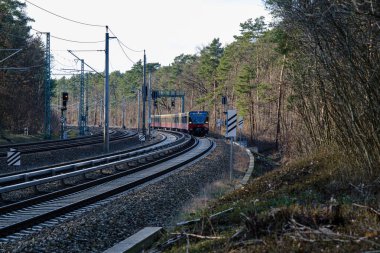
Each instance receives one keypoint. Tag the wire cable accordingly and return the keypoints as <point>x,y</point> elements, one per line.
<point>122,49</point>
<point>68,19</point>
<point>74,41</point>
<point>60,63</point>
<point>13,35</point>
<point>137,51</point>
<point>22,68</point>
<point>9,56</point>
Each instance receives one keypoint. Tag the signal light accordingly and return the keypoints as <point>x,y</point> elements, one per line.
<point>224,100</point>
<point>65,98</point>
<point>154,94</point>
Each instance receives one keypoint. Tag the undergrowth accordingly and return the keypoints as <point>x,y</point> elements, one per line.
<point>310,205</point>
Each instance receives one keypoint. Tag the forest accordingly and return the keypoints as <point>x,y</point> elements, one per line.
<point>22,59</point>
<point>308,80</point>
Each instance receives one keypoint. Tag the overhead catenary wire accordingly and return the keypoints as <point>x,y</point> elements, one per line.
<point>9,56</point>
<point>60,63</point>
<point>13,35</point>
<point>88,50</point>
<point>68,40</point>
<point>122,49</point>
<point>71,52</point>
<point>68,19</point>
<point>22,68</point>
<point>137,51</point>
<point>122,45</point>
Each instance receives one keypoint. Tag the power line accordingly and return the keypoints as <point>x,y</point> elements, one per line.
<point>9,56</point>
<point>13,35</point>
<point>68,19</point>
<point>68,40</point>
<point>9,49</point>
<point>71,52</point>
<point>122,49</point>
<point>59,62</point>
<point>22,68</point>
<point>137,51</point>
<point>87,50</point>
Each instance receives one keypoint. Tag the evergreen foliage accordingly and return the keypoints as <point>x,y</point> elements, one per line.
<point>21,75</point>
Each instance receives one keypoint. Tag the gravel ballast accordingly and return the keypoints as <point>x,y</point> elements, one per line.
<point>34,160</point>
<point>156,204</point>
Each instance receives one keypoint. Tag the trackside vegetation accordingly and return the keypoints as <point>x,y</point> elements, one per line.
<point>304,206</point>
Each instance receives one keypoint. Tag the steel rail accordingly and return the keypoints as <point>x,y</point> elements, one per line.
<point>63,170</point>
<point>87,159</point>
<point>62,144</point>
<point>14,145</point>
<point>11,223</point>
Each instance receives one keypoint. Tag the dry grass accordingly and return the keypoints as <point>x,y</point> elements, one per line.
<point>309,205</point>
<point>218,188</point>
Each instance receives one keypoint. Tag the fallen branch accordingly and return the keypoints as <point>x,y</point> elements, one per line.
<point>210,218</point>
<point>168,244</point>
<point>238,234</point>
<point>200,236</point>
<point>324,231</point>
<point>368,207</point>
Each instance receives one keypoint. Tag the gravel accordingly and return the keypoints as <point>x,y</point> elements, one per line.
<point>156,204</point>
<point>30,161</point>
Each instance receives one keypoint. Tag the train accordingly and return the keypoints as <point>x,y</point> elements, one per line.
<point>193,122</point>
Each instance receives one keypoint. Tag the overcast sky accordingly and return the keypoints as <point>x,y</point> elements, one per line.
<point>164,28</point>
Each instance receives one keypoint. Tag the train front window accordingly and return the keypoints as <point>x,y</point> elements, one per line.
<point>198,118</point>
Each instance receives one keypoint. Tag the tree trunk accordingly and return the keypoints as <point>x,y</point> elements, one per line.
<point>279,101</point>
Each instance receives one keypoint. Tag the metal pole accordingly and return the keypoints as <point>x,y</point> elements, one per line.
<point>62,122</point>
<point>138,113</point>
<point>149,102</point>
<point>183,104</point>
<point>47,125</point>
<point>231,157</point>
<point>123,115</point>
<point>81,116</point>
<point>87,103</point>
<point>101,112</point>
<point>144,91</point>
<point>106,136</point>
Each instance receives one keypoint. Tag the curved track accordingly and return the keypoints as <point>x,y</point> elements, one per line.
<point>35,147</point>
<point>129,173</point>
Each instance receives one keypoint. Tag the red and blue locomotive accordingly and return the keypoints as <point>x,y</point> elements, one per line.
<point>194,122</point>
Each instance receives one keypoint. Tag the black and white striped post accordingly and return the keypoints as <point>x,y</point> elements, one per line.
<point>142,137</point>
<point>13,157</point>
<point>231,133</point>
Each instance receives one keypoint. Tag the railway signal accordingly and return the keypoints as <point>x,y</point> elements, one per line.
<point>224,100</point>
<point>65,98</point>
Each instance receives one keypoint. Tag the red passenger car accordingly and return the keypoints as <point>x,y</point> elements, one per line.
<point>194,122</point>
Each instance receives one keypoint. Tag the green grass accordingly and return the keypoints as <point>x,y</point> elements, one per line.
<point>18,138</point>
<point>5,136</point>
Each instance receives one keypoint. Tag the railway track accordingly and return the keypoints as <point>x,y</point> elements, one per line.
<point>35,147</point>
<point>134,169</point>
<point>117,155</point>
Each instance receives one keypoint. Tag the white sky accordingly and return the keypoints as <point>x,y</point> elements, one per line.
<point>164,28</point>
